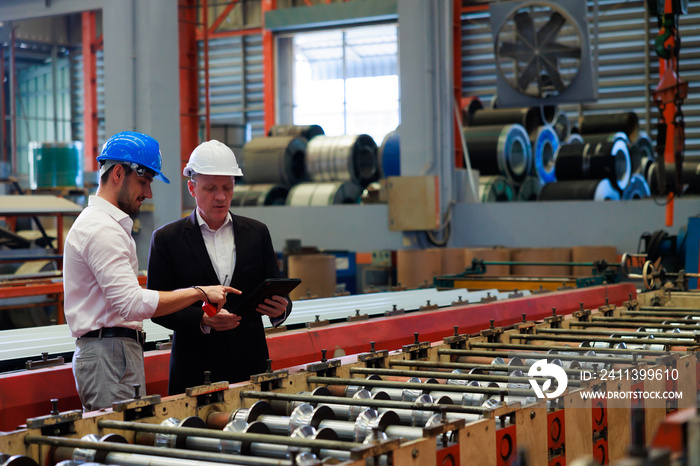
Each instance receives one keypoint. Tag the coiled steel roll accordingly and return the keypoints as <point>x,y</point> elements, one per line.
<point>547,114</point>
<point>644,153</point>
<point>574,138</point>
<point>528,117</point>
<point>627,122</point>
<point>343,158</point>
<point>259,194</point>
<point>596,190</point>
<point>638,188</point>
<point>500,150</point>
<point>305,131</point>
<point>470,105</point>
<point>594,161</point>
<point>390,155</point>
<point>495,188</point>
<point>562,126</point>
<point>605,137</point>
<point>317,194</point>
<point>544,153</point>
<point>530,189</point>
<point>277,160</point>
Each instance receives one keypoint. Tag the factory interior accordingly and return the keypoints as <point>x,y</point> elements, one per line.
<point>498,198</point>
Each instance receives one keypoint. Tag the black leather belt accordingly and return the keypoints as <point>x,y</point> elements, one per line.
<point>117,332</point>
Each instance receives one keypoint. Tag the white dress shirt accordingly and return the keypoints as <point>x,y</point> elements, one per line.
<point>221,247</point>
<point>100,269</point>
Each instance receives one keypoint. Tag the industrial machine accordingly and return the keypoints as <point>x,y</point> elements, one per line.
<point>446,384</point>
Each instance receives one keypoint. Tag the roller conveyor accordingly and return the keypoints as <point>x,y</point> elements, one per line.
<point>406,414</point>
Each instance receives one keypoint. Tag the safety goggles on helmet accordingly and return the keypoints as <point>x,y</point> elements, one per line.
<point>134,149</point>
<point>140,170</point>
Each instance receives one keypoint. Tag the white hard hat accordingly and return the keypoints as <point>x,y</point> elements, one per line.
<point>212,158</point>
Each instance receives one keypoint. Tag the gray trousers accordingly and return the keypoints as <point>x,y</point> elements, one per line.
<point>106,369</point>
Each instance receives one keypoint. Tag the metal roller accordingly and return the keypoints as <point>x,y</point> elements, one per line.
<point>627,122</point>
<point>343,158</point>
<point>277,160</point>
<point>500,150</point>
<point>638,188</point>
<point>530,189</point>
<point>574,138</point>
<point>594,190</point>
<point>495,189</point>
<point>546,143</point>
<point>390,155</point>
<point>304,131</point>
<point>259,194</point>
<point>317,194</point>
<point>528,117</point>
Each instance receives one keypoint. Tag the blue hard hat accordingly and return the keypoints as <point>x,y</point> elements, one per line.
<point>133,147</point>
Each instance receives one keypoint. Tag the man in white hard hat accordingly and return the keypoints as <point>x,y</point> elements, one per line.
<point>211,246</point>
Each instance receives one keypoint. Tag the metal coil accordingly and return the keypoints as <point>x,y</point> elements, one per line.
<point>390,155</point>
<point>547,114</point>
<point>317,194</point>
<point>574,138</point>
<point>495,188</point>
<point>470,105</point>
<point>259,195</point>
<point>594,161</point>
<point>528,117</point>
<point>596,190</point>
<point>276,160</point>
<point>605,137</point>
<point>343,158</point>
<point>644,154</point>
<point>562,126</point>
<point>304,131</point>
<point>638,188</point>
<point>544,153</point>
<point>500,150</point>
<point>530,189</point>
<point>627,122</point>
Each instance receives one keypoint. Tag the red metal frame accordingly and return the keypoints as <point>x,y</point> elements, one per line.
<point>13,104</point>
<point>268,68</point>
<point>2,105</point>
<point>90,124</point>
<point>26,394</point>
<point>457,77</point>
<point>189,102</point>
<point>205,42</point>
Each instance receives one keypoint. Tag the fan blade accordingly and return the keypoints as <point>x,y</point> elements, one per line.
<point>527,75</point>
<point>553,75</point>
<point>517,51</point>
<point>556,51</point>
<point>525,28</point>
<point>548,32</point>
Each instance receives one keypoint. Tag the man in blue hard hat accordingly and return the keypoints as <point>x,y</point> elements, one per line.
<point>104,304</point>
<point>214,246</point>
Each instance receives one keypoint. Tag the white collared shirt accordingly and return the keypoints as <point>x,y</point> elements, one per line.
<point>100,269</point>
<point>221,247</point>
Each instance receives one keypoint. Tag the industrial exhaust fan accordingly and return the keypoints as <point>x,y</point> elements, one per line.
<point>542,53</point>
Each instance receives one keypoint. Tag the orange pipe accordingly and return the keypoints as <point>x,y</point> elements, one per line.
<point>189,103</point>
<point>268,68</point>
<point>207,116</point>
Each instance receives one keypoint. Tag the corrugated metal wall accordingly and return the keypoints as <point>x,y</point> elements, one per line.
<point>235,82</point>
<point>627,71</point>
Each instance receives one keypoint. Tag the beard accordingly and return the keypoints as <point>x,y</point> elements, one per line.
<point>124,203</point>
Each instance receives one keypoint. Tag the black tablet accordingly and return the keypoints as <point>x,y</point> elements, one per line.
<point>268,288</point>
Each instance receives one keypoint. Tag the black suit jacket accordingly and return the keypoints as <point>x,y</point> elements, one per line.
<point>178,258</point>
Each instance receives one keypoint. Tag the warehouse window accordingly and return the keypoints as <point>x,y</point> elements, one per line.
<point>347,81</point>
